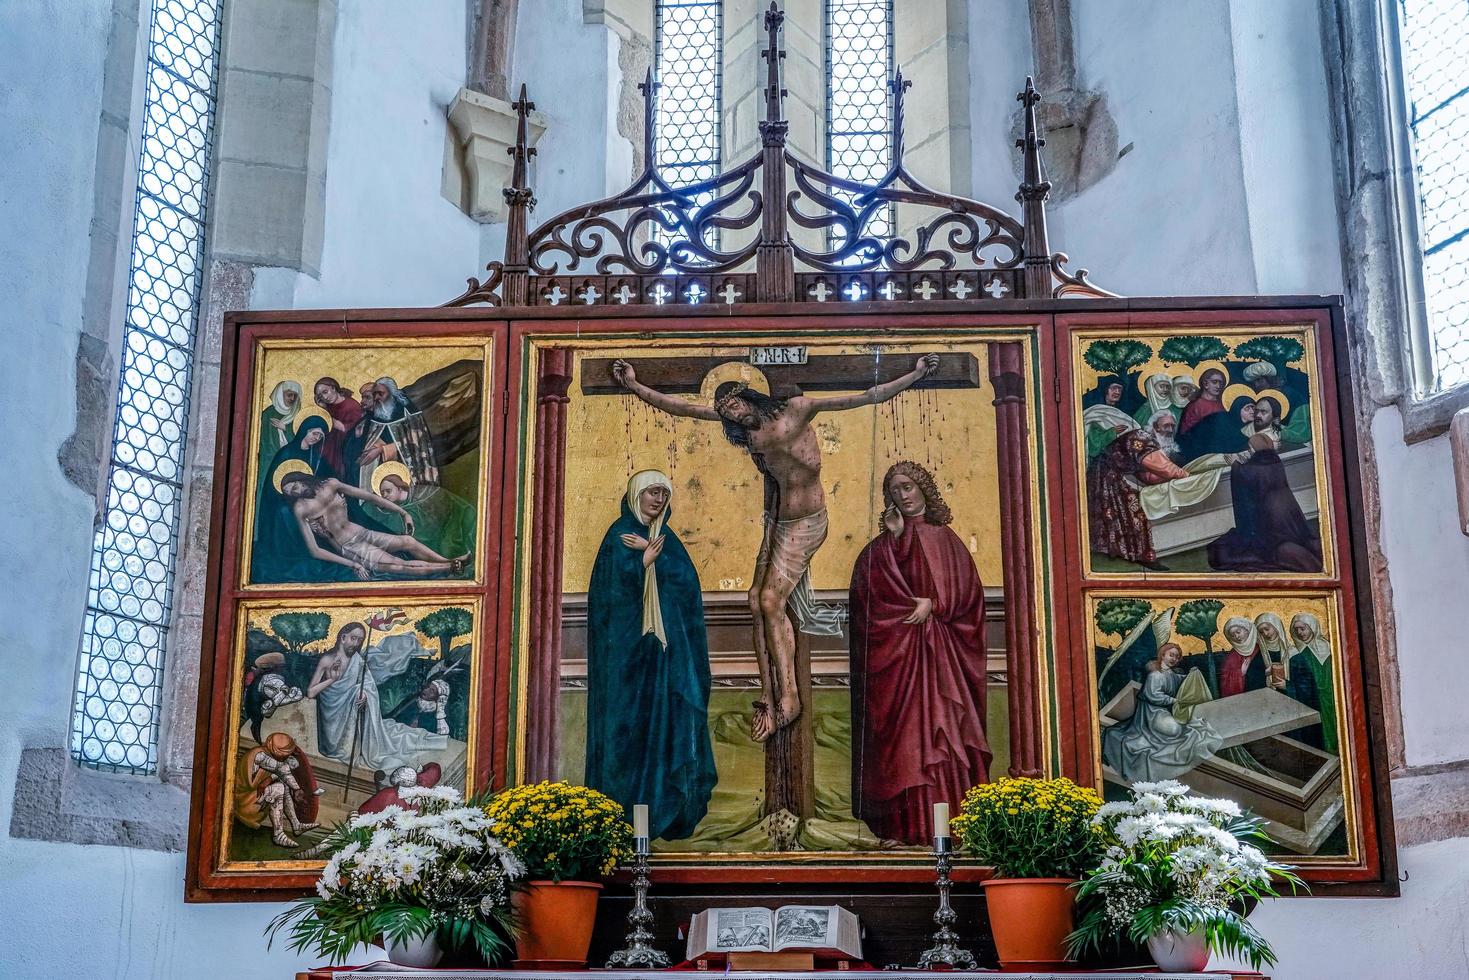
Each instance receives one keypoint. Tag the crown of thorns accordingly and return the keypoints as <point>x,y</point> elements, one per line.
<point>739,389</point>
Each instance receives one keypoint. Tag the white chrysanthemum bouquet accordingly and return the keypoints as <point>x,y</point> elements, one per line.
<point>1179,864</point>
<point>400,874</point>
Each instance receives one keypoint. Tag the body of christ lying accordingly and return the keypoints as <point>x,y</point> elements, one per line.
<point>778,435</point>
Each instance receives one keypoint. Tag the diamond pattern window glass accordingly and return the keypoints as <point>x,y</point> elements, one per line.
<point>859,66</point>
<point>686,59</point>
<point>116,710</point>
<point>1435,37</point>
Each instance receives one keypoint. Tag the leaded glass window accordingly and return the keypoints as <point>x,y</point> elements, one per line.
<point>859,67</point>
<point>116,711</point>
<point>1435,39</point>
<point>686,57</point>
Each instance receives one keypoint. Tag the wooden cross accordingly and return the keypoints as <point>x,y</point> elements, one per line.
<point>854,290</point>
<point>890,290</point>
<point>660,293</point>
<point>555,294</point>
<point>961,288</point>
<point>729,293</point>
<point>695,292</point>
<point>821,290</point>
<point>623,294</point>
<point>996,287</point>
<point>590,295</point>
<point>925,290</point>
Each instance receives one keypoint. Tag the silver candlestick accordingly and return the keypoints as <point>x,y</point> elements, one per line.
<point>945,950</point>
<point>639,952</point>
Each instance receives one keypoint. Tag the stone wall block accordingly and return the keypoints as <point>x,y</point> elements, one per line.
<point>268,120</point>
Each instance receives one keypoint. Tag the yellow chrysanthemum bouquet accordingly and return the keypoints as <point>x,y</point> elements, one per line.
<point>1031,828</point>
<point>560,831</point>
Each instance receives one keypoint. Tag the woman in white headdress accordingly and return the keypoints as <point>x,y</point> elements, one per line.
<point>1158,388</point>
<point>648,667</point>
<point>1313,657</point>
<point>1182,390</point>
<point>1243,668</point>
<point>1274,646</point>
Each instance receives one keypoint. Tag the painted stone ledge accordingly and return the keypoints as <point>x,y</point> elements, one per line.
<point>477,161</point>
<point>57,801</point>
<point>1431,803</point>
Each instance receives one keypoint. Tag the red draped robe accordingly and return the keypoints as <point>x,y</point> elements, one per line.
<point>1198,410</point>
<point>918,691</point>
<point>347,414</point>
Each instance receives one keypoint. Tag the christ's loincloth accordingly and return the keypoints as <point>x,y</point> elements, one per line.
<point>787,549</point>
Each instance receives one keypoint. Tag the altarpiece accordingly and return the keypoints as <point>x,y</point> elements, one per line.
<point>928,510</point>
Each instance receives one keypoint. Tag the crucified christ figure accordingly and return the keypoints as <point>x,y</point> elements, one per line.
<point>777,434</point>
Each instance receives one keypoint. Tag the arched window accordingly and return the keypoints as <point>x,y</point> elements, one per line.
<point>1434,36</point>
<point>116,711</point>
<point>686,59</point>
<point>859,66</point>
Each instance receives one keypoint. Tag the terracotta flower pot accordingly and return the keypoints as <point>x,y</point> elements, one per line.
<point>1030,919</point>
<point>555,921</point>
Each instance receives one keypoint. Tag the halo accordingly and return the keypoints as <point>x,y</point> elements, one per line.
<point>391,468</point>
<point>1279,396</point>
<point>1149,369</point>
<point>1203,366</point>
<point>286,469</point>
<point>1234,393</point>
<point>732,370</point>
<point>307,413</point>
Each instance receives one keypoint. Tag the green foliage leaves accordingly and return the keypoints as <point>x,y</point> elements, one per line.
<point>449,622</point>
<point>1198,618</point>
<point>1116,356</point>
<point>1192,350</point>
<point>300,629</point>
<point>1119,617</point>
<point>1279,351</point>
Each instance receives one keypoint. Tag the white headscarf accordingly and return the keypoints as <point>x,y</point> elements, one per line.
<point>1316,644</point>
<point>278,398</point>
<point>1158,402</point>
<point>1250,642</point>
<point>652,610</point>
<point>287,412</point>
<point>1180,401</point>
<point>1281,639</point>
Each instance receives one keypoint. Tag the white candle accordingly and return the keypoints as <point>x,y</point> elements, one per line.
<point>941,819</point>
<point>640,820</point>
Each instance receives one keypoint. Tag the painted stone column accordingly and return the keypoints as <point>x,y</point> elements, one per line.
<point>1007,375</point>
<point>542,724</point>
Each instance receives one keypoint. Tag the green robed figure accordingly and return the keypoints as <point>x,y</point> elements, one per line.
<point>648,667</point>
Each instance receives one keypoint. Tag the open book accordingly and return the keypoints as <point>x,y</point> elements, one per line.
<point>825,929</point>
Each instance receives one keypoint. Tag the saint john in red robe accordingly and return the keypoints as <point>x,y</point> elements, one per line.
<point>346,412</point>
<point>918,688</point>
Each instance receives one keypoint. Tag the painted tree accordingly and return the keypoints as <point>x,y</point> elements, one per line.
<point>1277,351</point>
<point>1192,350</point>
<point>298,630</point>
<point>446,625</point>
<point>1199,618</point>
<point>1119,617</point>
<point>1116,356</point>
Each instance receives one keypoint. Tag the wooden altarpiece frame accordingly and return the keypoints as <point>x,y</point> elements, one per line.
<point>776,248</point>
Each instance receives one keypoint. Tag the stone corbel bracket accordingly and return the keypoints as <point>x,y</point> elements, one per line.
<point>482,133</point>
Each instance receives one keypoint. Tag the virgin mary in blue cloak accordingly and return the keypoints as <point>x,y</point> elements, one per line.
<point>648,668</point>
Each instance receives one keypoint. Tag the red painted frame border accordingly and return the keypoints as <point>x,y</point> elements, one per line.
<point>1068,751</point>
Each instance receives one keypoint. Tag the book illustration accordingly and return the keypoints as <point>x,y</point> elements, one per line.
<point>797,925</point>
<point>741,929</point>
